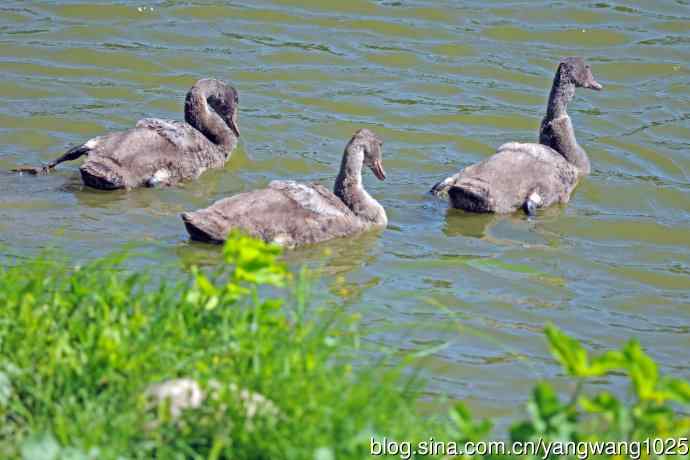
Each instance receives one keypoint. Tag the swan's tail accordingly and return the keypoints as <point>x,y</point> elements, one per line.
<point>101,175</point>
<point>440,189</point>
<point>71,154</point>
<point>472,196</point>
<point>197,229</point>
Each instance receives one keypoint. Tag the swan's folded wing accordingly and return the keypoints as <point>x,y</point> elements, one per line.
<point>182,136</point>
<point>314,198</point>
<point>536,151</point>
<point>503,181</point>
<point>510,159</point>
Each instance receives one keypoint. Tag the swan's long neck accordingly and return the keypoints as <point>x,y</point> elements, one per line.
<point>562,92</point>
<point>199,114</point>
<point>557,129</point>
<point>348,187</point>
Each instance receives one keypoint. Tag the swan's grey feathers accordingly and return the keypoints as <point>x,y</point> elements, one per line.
<point>503,182</point>
<point>538,151</point>
<point>156,151</point>
<point>519,173</point>
<point>287,213</point>
<point>312,197</point>
<point>131,158</point>
<point>177,133</point>
<point>291,213</point>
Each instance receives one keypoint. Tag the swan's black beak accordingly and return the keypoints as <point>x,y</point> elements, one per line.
<point>233,125</point>
<point>377,168</point>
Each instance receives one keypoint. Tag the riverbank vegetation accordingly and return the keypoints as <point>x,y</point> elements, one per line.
<point>82,347</point>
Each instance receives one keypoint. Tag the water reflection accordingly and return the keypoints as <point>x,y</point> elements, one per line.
<point>461,223</point>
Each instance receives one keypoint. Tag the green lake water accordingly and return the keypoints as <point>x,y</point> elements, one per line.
<point>443,82</point>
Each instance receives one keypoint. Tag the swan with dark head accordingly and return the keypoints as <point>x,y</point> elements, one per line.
<point>528,175</point>
<point>162,152</point>
<point>292,214</point>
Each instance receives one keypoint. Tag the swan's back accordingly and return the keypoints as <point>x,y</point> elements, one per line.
<point>155,151</point>
<point>287,212</point>
<point>503,182</point>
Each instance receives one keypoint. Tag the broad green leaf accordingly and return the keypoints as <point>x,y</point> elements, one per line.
<point>607,362</point>
<point>568,351</point>
<point>206,287</point>
<point>468,428</point>
<point>603,402</point>
<point>677,389</point>
<point>574,358</point>
<point>643,371</point>
<point>546,400</point>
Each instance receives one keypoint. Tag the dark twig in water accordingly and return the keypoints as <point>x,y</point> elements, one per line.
<point>38,171</point>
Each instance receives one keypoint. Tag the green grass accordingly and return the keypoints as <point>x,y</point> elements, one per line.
<point>79,347</point>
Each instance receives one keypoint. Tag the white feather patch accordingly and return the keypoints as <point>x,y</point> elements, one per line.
<point>282,239</point>
<point>159,177</point>
<point>91,143</point>
<point>536,199</point>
